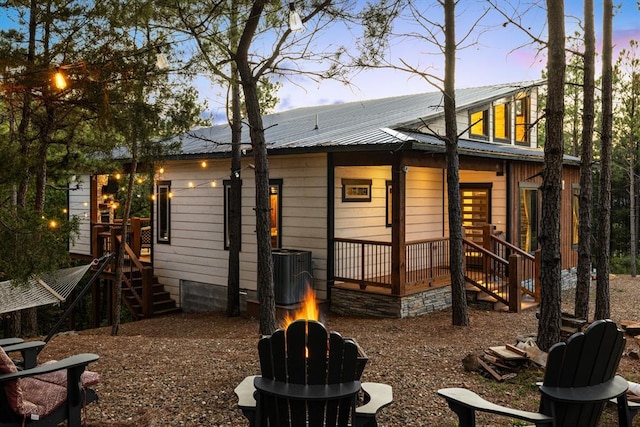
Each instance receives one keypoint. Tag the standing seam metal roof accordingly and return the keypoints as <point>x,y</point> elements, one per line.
<point>363,123</point>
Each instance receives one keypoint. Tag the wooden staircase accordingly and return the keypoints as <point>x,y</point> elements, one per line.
<point>503,276</point>
<point>161,301</point>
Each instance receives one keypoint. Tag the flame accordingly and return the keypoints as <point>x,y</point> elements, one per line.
<point>307,310</point>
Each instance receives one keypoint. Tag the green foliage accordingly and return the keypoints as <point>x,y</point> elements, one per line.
<point>32,243</point>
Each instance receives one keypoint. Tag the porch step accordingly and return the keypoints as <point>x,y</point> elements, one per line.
<point>480,299</point>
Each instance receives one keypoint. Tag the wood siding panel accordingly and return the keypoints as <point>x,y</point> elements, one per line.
<point>79,207</point>
<point>529,172</point>
<point>196,252</point>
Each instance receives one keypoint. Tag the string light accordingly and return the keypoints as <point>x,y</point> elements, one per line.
<point>59,80</point>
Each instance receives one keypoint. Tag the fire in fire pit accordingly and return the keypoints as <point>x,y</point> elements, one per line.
<point>308,309</point>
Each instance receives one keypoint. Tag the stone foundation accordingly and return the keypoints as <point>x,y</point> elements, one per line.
<point>355,302</point>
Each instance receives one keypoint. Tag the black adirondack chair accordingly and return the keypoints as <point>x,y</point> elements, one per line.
<point>580,377</point>
<point>48,394</point>
<point>310,378</point>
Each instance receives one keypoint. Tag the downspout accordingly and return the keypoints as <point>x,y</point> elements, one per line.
<point>330,223</point>
<point>509,200</point>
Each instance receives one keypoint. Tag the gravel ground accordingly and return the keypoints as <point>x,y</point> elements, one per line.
<point>181,370</point>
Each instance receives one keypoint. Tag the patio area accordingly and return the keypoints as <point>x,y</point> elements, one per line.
<point>181,369</point>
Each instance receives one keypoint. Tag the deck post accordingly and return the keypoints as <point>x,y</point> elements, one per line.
<point>398,240</point>
<point>487,243</point>
<point>135,236</point>
<point>515,279</point>
<point>147,292</point>
<point>536,274</point>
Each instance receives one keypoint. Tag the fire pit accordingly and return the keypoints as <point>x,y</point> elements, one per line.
<point>309,373</point>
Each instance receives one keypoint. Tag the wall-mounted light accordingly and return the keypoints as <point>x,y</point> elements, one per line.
<point>295,22</point>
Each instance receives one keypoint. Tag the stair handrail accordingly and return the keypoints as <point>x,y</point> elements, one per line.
<point>512,247</point>
<point>526,258</point>
<point>498,259</point>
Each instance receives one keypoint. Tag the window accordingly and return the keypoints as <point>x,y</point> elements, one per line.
<point>389,205</point>
<point>163,200</point>
<point>529,209</point>
<point>501,122</point>
<point>475,203</point>
<point>575,214</point>
<point>522,106</point>
<point>228,213</point>
<point>275,204</point>
<point>479,122</point>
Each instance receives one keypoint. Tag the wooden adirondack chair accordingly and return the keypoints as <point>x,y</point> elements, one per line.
<point>310,378</point>
<point>579,379</point>
<point>47,394</point>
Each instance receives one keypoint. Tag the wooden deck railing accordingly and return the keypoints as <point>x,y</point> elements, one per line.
<point>368,262</point>
<point>498,267</point>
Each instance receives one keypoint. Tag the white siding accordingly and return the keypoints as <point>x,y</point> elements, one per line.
<point>79,207</point>
<point>196,249</point>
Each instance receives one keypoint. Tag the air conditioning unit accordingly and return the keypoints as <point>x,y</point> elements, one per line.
<point>292,273</point>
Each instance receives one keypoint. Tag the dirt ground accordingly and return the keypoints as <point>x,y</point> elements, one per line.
<point>181,370</point>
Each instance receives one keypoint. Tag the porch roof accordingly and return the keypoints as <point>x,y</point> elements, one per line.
<point>372,124</point>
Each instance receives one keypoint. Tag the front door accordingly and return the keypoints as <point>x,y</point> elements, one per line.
<point>475,202</point>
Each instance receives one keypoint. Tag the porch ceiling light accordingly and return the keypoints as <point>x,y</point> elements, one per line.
<point>295,22</point>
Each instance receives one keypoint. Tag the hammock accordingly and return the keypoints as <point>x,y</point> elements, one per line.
<point>49,288</point>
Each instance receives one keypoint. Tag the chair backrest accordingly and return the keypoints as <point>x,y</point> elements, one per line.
<point>586,359</point>
<point>307,354</point>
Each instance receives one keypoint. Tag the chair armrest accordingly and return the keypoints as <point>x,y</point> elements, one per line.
<point>305,391</point>
<point>597,393</point>
<point>10,341</point>
<point>461,398</point>
<point>68,363</point>
<point>380,395</point>
<point>29,351</point>
<point>245,392</point>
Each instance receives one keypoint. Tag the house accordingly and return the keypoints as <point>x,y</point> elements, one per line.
<point>358,204</point>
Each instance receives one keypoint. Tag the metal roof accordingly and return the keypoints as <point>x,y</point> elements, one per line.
<point>370,123</point>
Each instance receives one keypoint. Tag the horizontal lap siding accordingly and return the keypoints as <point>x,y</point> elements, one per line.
<point>362,220</point>
<point>196,251</point>
<point>79,207</point>
<point>423,204</point>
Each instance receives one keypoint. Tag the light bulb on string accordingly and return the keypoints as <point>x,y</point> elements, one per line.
<point>59,80</point>
<point>295,22</point>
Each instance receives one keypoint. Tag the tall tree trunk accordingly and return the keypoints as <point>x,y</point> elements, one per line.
<point>460,316</point>
<point>550,304</point>
<point>583,284</point>
<point>261,161</point>
<point>602,310</point>
<point>632,212</point>
<point>235,201</point>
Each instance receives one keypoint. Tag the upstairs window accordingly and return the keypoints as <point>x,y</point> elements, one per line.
<point>523,118</point>
<point>479,122</point>
<point>501,122</point>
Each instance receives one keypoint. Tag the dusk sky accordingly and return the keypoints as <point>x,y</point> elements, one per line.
<point>502,54</point>
<point>492,60</point>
